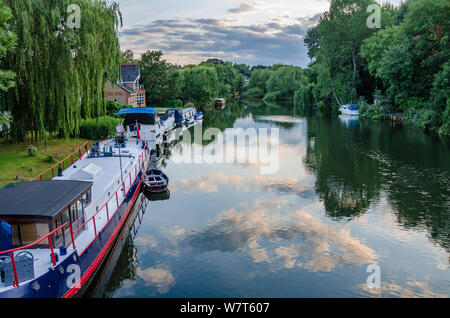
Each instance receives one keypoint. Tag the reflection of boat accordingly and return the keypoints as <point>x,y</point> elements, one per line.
<point>349,120</point>
<point>350,110</point>
<point>157,196</point>
<point>104,277</point>
<point>220,104</point>
<point>156,181</point>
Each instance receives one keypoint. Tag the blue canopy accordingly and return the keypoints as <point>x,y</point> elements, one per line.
<point>137,110</point>
<point>353,107</point>
<point>6,233</point>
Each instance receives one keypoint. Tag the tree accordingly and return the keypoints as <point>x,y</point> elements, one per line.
<point>7,44</point>
<point>411,60</point>
<point>283,82</point>
<point>127,57</point>
<point>154,76</point>
<point>61,69</point>
<point>336,42</point>
<point>199,85</point>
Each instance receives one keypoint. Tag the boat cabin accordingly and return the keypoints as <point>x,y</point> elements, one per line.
<point>34,209</point>
<point>146,119</point>
<point>181,115</point>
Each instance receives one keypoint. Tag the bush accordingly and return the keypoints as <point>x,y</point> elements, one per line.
<point>32,151</point>
<point>112,108</point>
<point>99,129</point>
<point>52,158</point>
<point>174,104</point>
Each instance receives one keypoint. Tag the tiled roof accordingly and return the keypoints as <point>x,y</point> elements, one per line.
<point>130,73</point>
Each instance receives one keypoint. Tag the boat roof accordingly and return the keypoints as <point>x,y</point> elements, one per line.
<point>137,110</point>
<point>42,199</point>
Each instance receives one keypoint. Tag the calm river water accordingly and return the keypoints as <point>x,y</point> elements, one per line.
<point>347,195</point>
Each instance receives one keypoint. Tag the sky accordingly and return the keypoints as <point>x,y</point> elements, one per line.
<point>241,31</point>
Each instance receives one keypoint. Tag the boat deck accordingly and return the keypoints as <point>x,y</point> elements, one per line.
<point>107,190</point>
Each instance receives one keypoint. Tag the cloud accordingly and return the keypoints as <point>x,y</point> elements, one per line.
<point>242,9</point>
<point>283,241</point>
<point>186,41</point>
<point>160,278</point>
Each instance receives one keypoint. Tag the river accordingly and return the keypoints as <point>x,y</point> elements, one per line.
<point>355,210</point>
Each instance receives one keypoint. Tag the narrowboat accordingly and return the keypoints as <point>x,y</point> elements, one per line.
<point>167,122</point>
<point>183,116</point>
<point>58,232</point>
<point>142,123</point>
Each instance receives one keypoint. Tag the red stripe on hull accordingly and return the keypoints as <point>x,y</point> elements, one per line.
<point>72,292</point>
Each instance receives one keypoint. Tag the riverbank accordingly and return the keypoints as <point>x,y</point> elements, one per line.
<point>17,166</point>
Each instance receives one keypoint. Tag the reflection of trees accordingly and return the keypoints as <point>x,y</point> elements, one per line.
<point>223,119</point>
<point>347,180</point>
<point>353,165</point>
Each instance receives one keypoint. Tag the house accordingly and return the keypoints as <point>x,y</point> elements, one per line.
<point>128,91</point>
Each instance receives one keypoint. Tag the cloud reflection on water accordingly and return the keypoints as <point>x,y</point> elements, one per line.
<point>297,239</point>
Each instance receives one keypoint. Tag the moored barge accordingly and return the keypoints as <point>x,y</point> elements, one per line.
<point>62,229</point>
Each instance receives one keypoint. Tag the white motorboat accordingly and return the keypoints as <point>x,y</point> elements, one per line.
<point>349,110</point>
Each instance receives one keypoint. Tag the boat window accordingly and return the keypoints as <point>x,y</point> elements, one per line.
<point>16,235</point>
<point>33,231</point>
<point>73,213</point>
<point>86,200</point>
<point>65,216</point>
<point>56,224</point>
<point>79,206</point>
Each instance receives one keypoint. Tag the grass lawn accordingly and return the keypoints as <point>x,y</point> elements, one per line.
<point>14,159</point>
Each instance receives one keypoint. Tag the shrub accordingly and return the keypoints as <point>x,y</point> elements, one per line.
<point>174,103</point>
<point>52,158</point>
<point>32,151</point>
<point>112,108</point>
<point>100,128</point>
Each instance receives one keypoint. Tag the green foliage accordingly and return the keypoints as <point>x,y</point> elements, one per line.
<point>335,43</point>
<point>61,69</point>
<point>112,108</point>
<point>99,128</point>
<point>32,151</point>
<point>127,57</point>
<point>411,59</point>
<point>199,85</point>
<point>155,77</point>
<point>7,44</point>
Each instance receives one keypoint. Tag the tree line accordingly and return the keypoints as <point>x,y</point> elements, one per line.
<point>402,66</point>
<point>169,85</point>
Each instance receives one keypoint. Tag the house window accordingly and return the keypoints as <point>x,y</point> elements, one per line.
<point>141,99</point>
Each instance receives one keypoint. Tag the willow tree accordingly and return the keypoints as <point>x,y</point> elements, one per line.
<point>66,50</point>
